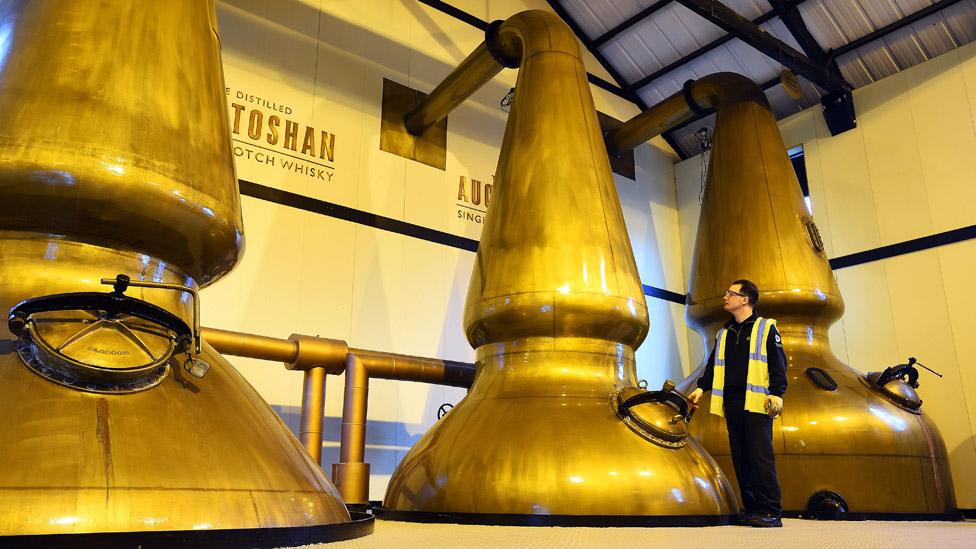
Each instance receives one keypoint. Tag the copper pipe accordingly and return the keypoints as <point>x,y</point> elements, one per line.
<point>315,355</point>
<point>304,352</point>
<point>654,121</point>
<point>354,410</point>
<point>250,345</point>
<point>697,97</point>
<point>351,474</point>
<point>298,352</point>
<point>313,410</point>
<point>414,368</point>
<point>318,357</point>
<point>479,67</point>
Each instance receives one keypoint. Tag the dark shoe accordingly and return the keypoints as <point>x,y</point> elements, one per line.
<point>764,521</point>
<point>745,519</point>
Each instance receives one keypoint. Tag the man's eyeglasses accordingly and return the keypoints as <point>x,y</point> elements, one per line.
<point>730,293</point>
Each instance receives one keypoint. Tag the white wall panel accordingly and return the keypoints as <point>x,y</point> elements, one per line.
<point>894,167</point>
<point>458,266</point>
<point>815,184</point>
<point>325,280</point>
<point>661,242</point>
<point>923,330</point>
<point>956,261</point>
<point>967,62</point>
<point>868,318</point>
<point>376,297</point>
<point>848,195</point>
<point>945,144</point>
<point>425,290</point>
<point>661,355</point>
<point>342,94</point>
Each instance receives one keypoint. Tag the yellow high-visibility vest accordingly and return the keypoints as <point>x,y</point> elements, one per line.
<point>757,377</point>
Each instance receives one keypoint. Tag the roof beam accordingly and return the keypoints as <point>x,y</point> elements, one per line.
<point>561,12</point>
<point>456,13</point>
<point>699,52</point>
<point>728,20</point>
<point>790,16</point>
<point>888,29</point>
<point>477,23</point>
<point>631,21</point>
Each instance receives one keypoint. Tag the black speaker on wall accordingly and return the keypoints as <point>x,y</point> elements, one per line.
<point>838,111</point>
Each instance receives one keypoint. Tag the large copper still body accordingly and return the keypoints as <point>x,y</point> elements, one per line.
<point>845,445</point>
<point>555,310</point>
<point>115,157</point>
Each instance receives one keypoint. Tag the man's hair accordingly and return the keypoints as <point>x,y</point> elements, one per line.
<point>750,290</point>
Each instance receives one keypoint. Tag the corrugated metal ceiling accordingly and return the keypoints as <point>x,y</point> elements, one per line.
<point>664,44</point>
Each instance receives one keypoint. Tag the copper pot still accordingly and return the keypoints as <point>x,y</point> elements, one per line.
<point>115,157</point>
<point>846,445</point>
<point>554,429</point>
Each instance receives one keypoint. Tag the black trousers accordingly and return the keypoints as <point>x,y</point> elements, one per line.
<point>751,442</point>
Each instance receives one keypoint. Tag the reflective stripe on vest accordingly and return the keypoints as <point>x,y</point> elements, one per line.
<point>757,376</point>
<point>718,375</point>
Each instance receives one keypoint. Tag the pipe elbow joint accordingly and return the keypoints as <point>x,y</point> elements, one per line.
<point>314,352</point>
<point>535,31</point>
<point>723,88</point>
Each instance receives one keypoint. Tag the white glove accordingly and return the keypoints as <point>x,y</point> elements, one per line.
<point>774,405</point>
<point>695,396</point>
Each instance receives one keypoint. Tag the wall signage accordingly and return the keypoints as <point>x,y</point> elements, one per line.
<point>265,132</point>
<point>473,198</point>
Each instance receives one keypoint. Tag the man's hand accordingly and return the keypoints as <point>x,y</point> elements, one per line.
<point>695,396</point>
<point>774,405</point>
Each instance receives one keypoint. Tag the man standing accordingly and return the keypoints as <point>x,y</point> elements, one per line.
<point>746,373</point>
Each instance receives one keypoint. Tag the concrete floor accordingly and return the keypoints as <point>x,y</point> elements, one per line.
<point>795,533</point>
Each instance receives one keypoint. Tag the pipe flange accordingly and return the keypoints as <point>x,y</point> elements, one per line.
<point>94,351</point>
<point>43,363</point>
<point>895,391</point>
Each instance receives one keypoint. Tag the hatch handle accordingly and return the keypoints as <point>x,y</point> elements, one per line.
<point>113,304</point>
<point>904,372</point>
<point>667,395</point>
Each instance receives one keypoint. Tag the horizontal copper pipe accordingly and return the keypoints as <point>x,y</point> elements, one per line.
<point>298,352</point>
<point>696,97</point>
<point>477,69</point>
<point>331,353</point>
<point>414,368</point>
<point>250,345</point>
